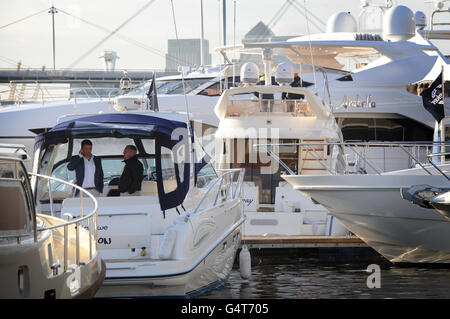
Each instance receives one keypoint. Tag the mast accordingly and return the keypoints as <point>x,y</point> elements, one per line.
<point>53,11</point>
<point>202,40</point>
<point>224,22</point>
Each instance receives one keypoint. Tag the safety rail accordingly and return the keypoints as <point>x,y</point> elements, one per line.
<point>433,24</point>
<point>228,188</point>
<point>430,159</point>
<point>91,218</point>
<point>36,92</point>
<point>354,147</point>
<point>264,107</point>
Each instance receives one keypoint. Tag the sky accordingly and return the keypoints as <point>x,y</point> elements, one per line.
<point>30,41</point>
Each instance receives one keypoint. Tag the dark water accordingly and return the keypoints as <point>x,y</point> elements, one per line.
<point>300,278</point>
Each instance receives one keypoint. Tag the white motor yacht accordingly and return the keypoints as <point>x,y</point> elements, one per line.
<point>279,114</point>
<point>372,207</point>
<point>42,256</point>
<point>179,235</point>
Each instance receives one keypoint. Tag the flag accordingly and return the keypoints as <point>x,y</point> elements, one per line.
<point>433,100</point>
<point>153,98</point>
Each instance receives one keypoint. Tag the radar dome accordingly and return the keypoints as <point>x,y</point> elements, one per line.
<point>250,73</point>
<point>399,24</point>
<point>421,19</point>
<point>284,75</point>
<point>341,22</point>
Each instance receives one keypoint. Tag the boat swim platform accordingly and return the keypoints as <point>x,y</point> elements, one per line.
<point>274,249</point>
<point>302,241</point>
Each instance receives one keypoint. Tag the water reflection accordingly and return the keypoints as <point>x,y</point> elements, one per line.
<point>301,279</point>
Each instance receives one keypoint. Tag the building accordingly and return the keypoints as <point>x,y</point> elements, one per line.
<point>188,55</point>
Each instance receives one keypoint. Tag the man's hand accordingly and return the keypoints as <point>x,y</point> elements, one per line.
<point>81,152</point>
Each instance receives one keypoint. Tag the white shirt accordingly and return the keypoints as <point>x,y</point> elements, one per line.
<point>89,172</point>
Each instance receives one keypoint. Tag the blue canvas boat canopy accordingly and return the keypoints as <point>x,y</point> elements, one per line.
<point>133,126</point>
<point>109,125</point>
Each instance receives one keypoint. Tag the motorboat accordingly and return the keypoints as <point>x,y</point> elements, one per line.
<point>43,256</point>
<point>279,114</point>
<point>178,237</point>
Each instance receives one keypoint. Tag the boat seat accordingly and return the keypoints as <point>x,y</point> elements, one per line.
<point>13,213</point>
<point>149,188</point>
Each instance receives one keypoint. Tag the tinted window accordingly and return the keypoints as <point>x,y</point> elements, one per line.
<point>400,130</point>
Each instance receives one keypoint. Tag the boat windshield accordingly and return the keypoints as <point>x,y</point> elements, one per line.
<point>171,86</point>
<point>109,150</point>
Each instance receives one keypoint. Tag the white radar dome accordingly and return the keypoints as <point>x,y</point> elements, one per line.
<point>399,24</point>
<point>421,19</point>
<point>250,73</point>
<point>341,22</point>
<point>284,74</point>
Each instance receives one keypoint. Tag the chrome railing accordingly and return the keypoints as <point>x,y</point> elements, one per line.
<point>19,93</point>
<point>413,151</point>
<point>227,186</point>
<point>91,218</point>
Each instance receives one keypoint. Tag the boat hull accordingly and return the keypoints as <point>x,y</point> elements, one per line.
<point>372,208</point>
<point>211,272</point>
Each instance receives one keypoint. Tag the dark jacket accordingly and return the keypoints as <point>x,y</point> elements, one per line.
<point>292,96</point>
<point>77,163</point>
<point>132,176</point>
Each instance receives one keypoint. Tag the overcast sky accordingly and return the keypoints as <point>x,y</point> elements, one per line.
<point>31,40</point>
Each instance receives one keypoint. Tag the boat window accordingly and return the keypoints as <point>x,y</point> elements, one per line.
<point>215,89</point>
<point>149,146</point>
<point>170,86</point>
<point>345,78</point>
<point>168,170</point>
<point>398,130</point>
<point>205,175</point>
<point>104,146</point>
<point>7,170</point>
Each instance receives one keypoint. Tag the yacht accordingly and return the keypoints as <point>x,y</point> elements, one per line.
<point>43,256</point>
<point>178,237</point>
<point>284,114</point>
<point>21,123</point>
<point>370,77</point>
<point>375,208</point>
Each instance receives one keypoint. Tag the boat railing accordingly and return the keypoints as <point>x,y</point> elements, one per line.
<point>227,186</point>
<point>20,93</point>
<point>265,107</point>
<point>73,225</point>
<point>417,153</point>
<point>433,24</point>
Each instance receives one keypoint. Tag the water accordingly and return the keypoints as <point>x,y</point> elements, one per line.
<point>300,278</point>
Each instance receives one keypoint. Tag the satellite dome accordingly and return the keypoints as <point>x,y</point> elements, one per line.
<point>421,19</point>
<point>284,75</point>
<point>341,22</point>
<point>250,73</point>
<point>399,24</point>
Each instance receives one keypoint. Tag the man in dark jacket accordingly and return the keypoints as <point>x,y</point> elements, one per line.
<point>88,169</point>
<point>132,174</point>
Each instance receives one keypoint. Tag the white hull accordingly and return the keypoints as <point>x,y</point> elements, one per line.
<point>371,207</point>
<point>202,258</point>
<point>210,272</point>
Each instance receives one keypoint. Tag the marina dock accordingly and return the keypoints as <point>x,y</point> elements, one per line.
<point>302,242</point>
